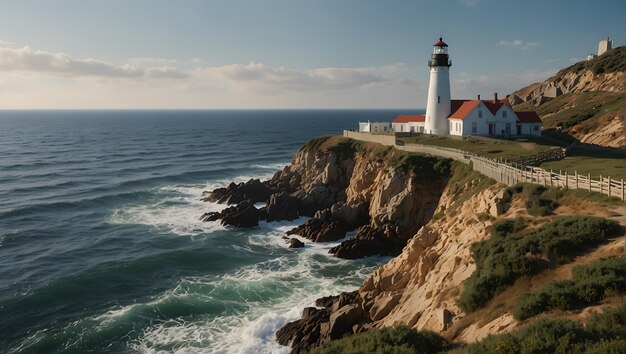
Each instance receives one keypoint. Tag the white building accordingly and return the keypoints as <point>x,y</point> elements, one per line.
<point>445,116</point>
<point>604,46</point>
<point>374,127</point>
<point>409,124</point>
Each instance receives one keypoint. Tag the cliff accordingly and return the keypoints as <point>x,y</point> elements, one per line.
<point>426,286</point>
<point>584,100</point>
<point>467,249</point>
<point>383,194</point>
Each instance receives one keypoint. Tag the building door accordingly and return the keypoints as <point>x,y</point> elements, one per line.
<point>492,129</point>
<point>507,129</point>
<point>519,130</point>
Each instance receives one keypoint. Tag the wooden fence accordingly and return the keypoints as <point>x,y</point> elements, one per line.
<point>506,172</point>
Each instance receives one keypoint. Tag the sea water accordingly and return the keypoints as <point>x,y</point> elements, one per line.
<point>102,249</point>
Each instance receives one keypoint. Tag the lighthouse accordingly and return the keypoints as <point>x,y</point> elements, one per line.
<point>438,105</point>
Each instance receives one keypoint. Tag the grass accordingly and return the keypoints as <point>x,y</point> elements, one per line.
<point>398,339</point>
<point>511,253</point>
<point>492,148</point>
<point>611,61</point>
<point>591,162</point>
<point>603,333</point>
<point>590,284</point>
<point>584,109</point>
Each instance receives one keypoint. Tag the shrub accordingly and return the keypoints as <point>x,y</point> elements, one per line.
<point>604,333</point>
<point>540,206</point>
<point>509,255</point>
<point>590,284</point>
<point>399,339</point>
<point>508,226</point>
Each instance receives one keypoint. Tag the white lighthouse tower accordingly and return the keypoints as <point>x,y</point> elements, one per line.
<point>438,105</point>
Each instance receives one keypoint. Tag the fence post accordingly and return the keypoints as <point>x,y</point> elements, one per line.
<point>566,180</point>
<point>609,186</point>
<point>589,180</point>
<point>622,189</point>
<point>576,177</point>
<point>550,177</point>
<point>600,183</point>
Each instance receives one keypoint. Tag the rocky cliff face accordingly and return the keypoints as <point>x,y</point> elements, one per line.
<point>569,82</point>
<point>417,288</point>
<point>585,100</point>
<point>384,194</point>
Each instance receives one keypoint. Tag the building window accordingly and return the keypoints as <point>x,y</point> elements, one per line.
<point>480,114</point>
<point>438,99</point>
<point>503,114</point>
<point>536,128</point>
<point>474,127</point>
<point>451,126</point>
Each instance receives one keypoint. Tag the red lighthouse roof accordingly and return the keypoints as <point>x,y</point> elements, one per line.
<point>440,43</point>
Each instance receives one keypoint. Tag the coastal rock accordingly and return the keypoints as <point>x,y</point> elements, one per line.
<point>243,215</point>
<point>210,216</point>
<point>295,243</point>
<point>317,325</point>
<point>254,191</point>
<point>282,206</point>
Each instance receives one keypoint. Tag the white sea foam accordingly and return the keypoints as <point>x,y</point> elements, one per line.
<point>268,295</point>
<point>177,208</point>
<point>256,300</point>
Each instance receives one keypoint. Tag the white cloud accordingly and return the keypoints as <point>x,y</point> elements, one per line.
<point>518,43</point>
<point>41,79</point>
<point>264,77</point>
<point>9,43</point>
<point>27,60</point>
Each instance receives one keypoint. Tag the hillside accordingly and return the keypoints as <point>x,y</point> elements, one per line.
<point>473,258</point>
<point>585,100</point>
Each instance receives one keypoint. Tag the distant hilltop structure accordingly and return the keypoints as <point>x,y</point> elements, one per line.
<point>604,46</point>
<point>447,117</point>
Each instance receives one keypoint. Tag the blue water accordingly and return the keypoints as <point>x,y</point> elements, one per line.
<point>101,249</point>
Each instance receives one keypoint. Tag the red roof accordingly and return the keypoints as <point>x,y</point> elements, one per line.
<point>464,109</point>
<point>528,117</point>
<point>440,43</point>
<point>409,119</point>
<point>466,106</point>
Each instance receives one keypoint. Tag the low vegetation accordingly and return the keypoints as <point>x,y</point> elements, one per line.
<point>612,61</point>
<point>592,162</point>
<point>492,148</point>
<point>589,285</point>
<point>531,191</point>
<point>603,333</point>
<point>511,253</point>
<point>539,199</point>
<point>390,340</point>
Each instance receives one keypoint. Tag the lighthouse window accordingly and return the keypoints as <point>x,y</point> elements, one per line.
<point>438,99</point>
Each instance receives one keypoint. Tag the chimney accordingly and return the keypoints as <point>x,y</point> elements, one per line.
<point>495,97</point>
<point>478,98</point>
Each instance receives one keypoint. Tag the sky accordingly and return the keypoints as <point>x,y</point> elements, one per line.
<point>152,54</point>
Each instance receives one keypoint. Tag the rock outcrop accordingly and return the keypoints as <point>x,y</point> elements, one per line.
<point>419,287</point>
<point>344,185</point>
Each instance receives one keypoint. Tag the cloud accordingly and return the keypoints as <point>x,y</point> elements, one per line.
<point>518,43</point>
<point>264,77</point>
<point>27,60</point>
<point>469,3</point>
<point>9,43</point>
<point>574,59</point>
<point>42,79</point>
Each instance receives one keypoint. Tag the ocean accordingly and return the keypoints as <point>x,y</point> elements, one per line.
<point>101,247</point>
